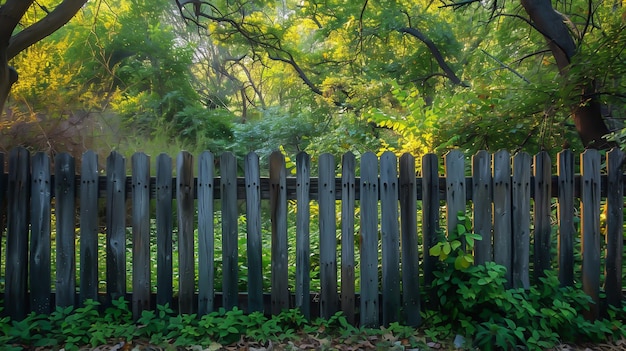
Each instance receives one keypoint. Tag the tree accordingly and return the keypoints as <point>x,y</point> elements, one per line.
<point>462,57</point>
<point>12,42</point>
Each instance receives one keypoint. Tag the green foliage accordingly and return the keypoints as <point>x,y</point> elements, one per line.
<point>474,299</point>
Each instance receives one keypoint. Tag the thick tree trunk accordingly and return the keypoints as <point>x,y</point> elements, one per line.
<point>586,112</point>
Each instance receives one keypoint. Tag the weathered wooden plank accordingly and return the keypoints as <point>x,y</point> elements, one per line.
<point>455,188</point>
<point>430,213</point>
<point>3,193</point>
<point>303,234</point>
<point>390,237</point>
<point>65,211</point>
<point>89,227</point>
<point>254,233</point>
<point>590,228</point>
<point>164,228</point>
<point>186,212</point>
<point>502,214</point>
<point>482,200</point>
<point>40,281</point>
<point>348,190</point>
<point>614,228</point>
<point>116,226</point>
<point>18,196</point>
<point>521,220</point>
<point>230,217</point>
<point>542,209</point>
<point>369,241</point>
<point>140,163</point>
<point>278,216</point>
<point>329,300</point>
<point>565,170</point>
<point>410,255</point>
<point>206,234</point>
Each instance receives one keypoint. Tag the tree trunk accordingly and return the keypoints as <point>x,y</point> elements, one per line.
<point>10,45</point>
<point>586,112</point>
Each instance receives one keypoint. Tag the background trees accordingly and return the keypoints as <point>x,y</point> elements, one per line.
<point>410,75</point>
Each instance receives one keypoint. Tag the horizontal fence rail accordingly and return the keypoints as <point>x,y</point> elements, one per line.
<point>378,204</point>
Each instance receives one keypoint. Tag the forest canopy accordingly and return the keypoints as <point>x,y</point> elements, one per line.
<point>322,76</point>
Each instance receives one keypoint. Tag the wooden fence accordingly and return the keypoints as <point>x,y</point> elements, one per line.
<point>512,202</point>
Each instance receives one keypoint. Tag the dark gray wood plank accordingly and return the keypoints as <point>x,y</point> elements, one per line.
<point>482,200</point>
<point>141,233</point>
<point>410,253</point>
<point>390,233</point>
<point>303,233</point>
<point>186,212</point>
<point>369,241</point>
<point>348,190</point>
<point>328,237</point>
<point>502,214</point>
<point>254,232</point>
<point>278,216</point>
<point>164,228</point>
<point>590,228</point>
<point>614,228</point>
<point>430,213</point>
<point>3,194</point>
<point>18,198</point>
<point>116,226</point>
<point>455,188</point>
<point>40,281</point>
<point>65,211</point>
<point>206,234</point>
<point>521,220</point>
<point>542,208</point>
<point>567,230</point>
<point>89,227</point>
<point>230,217</point>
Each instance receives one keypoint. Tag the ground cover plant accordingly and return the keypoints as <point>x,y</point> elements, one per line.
<point>467,306</point>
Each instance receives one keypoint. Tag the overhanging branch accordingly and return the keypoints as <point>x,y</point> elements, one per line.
<point>436,54</point>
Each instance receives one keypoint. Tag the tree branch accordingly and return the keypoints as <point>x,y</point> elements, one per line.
<point>54,20</point>
<point>436,53</point>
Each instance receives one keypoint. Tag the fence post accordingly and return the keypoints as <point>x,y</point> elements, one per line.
<point>89,227</point>
<point>390,234</point>
<point>369,241</point>
<point>328,236</point>
<point>17,234</point>
<point>66,232</point>
<point>186,214</point>
<point>521,220</point>
<point>164,229</point>
<point>542,208</point>
<point>39,276</point>
<point>303,239</point>
<point>502,230</point>
<point>614,228</point>
<point>590,225</point>
<point>278,209</point>
<point>230,230</point>
<point>482,199</point>
<point>206,234</point>
<point>430,214</point>
<point>116,226</point>
<point>140,164</point>
<point>348,194</point>
<point>565,170</point>
<point>410,253</point>
<point>455,188</point>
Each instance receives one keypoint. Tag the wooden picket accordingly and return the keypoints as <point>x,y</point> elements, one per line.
<point>378,204</point>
